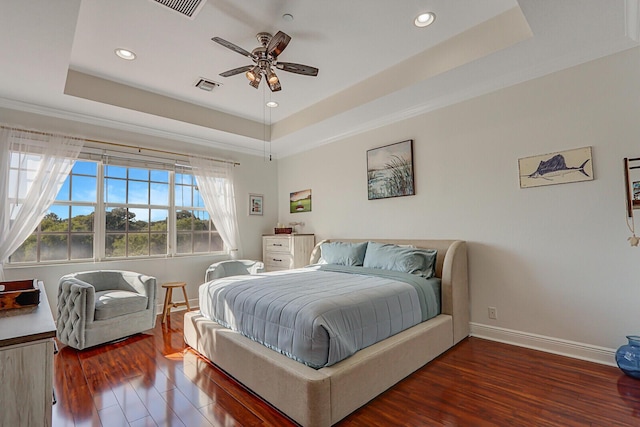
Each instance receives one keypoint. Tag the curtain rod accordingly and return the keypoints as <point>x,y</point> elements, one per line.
<point>117,144</point>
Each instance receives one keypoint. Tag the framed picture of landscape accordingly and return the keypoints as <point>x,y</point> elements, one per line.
<point>300,201</point>
<point>390,171</point>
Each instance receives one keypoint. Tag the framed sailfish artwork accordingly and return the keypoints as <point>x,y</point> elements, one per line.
<point>556,168</point>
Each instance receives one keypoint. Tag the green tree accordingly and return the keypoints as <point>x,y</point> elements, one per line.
<point>52,222</point>
<point>184,220</point>
<point>115,245</point>
<point>117,218</point>
<point>27,252</point>
<point>83,222</point>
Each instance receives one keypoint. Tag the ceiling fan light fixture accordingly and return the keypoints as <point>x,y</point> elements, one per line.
<point>256,81</point>
<point>275,87</point>
<point>253,74</point>
<point>424,19</point>
<point>271,77</point>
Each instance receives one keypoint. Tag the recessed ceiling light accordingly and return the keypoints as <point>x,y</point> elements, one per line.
<point>272,104</point>
<point>287,17</point>
<point>125,54</point>
<point>425,19</point>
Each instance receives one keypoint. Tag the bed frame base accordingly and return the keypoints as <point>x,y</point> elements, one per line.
<point>320,398</point>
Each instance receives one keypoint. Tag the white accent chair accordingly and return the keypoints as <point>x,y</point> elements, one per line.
<point>95,307</point>
<point>234,267</point>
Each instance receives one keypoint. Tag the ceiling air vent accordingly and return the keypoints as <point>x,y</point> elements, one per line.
<point>188,8</point>
<point>207,85</point>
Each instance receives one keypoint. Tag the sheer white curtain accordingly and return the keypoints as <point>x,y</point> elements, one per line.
<point>33,167</point>
<point>215,182</point>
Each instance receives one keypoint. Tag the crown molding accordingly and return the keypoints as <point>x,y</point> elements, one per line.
<point>504,81</point>
<point>124,126</point>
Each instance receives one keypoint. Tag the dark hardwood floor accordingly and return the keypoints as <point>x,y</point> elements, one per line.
<point>152,379</point>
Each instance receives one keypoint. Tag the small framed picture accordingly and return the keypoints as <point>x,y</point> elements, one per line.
<point>300,201</point>
<point>256,203</point>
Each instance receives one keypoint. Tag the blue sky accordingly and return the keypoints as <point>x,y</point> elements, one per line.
<point>83,185</point>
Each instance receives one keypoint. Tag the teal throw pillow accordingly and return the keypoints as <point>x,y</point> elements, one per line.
<point>341,253</point>
<point>386,256</point>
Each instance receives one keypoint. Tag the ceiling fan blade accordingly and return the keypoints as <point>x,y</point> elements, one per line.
<point>233,47</point>
<point>305,70</point>
<point>278,43</point>
<point>237,71</point>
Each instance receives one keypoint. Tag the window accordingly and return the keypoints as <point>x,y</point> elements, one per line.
<point>67,229</point>
<point>195,231</point>
<point>137,212</point>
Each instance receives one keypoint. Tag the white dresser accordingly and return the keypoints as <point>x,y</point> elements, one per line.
<point>286,251</point>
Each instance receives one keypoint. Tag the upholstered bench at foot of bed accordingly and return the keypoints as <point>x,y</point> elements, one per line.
<point>319,398</point>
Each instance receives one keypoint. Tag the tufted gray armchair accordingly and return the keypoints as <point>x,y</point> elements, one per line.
<point>95,307</point>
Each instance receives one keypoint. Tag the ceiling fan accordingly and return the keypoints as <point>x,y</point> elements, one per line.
<point>265,58</point>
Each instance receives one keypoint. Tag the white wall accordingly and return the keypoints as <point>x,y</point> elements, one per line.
<point>254,175</point>
<point>553,260</point>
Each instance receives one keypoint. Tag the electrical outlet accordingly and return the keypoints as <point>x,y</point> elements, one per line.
<point>493,313</point>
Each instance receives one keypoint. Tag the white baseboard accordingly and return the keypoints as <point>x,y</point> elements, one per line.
<point>591,353</point>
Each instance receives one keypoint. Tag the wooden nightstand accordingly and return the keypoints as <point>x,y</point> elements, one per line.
<point>286,251</point>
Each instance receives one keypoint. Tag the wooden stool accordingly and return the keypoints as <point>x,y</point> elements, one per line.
<point>168,303</point>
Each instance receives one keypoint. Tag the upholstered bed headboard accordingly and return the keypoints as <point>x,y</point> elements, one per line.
<point>451,267</point>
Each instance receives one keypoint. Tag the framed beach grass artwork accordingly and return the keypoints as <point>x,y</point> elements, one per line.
<point>390,171</point>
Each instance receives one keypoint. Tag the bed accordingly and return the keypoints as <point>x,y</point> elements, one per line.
<point>322,397</point>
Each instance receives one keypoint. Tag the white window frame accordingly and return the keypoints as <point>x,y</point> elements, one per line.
<point>202,208</point>
<point>100,233</point>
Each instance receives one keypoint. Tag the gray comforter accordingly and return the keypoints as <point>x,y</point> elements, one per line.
<point>319,315</point>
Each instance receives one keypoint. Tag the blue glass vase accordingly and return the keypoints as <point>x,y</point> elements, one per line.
<point>628,357</point>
